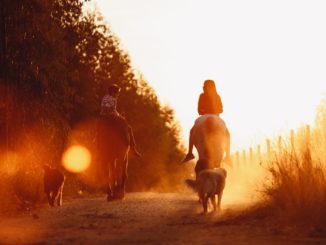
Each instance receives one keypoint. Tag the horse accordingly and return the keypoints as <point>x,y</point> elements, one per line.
<point>113,145</point>
<point>209,136</point>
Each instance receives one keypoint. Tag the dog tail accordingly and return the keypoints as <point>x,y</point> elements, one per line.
<point>192,184</point>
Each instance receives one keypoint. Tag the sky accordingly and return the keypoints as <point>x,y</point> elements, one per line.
<point>267,58</point>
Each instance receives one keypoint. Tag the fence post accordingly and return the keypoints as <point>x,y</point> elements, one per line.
<point>251,155</point>
<point>244,156</point>
<point>268,145</point>
<point>259,153</point>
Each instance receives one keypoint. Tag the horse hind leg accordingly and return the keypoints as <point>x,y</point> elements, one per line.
<point>122,169</point>
<point>124,175</point>
<point>110,191</point>
<point>111,181</point>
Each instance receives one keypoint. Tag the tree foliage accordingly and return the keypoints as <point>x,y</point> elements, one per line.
<point>55,61</point>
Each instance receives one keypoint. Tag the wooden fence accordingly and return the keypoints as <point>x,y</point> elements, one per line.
<point>262,153</point>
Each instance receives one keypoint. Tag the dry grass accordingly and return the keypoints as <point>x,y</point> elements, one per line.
<point>297,187</point>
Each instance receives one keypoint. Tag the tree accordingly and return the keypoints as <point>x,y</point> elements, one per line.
<point>57,62</point>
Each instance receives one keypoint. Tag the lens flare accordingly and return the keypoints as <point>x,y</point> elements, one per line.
<point>76,159</point>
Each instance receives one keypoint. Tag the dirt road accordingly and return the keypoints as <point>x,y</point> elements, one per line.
<point>142,218</point>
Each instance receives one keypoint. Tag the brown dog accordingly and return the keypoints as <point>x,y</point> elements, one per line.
<point>53,184</point>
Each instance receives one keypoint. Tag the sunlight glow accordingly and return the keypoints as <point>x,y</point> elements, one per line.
<point>9,162</point>
<point>76,159</point>
<point>266,57</point>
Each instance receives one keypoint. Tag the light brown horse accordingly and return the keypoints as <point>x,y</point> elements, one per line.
<point>209,135</point>
<point>113,146</point>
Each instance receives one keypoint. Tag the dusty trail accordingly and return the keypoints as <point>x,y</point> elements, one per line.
<point>142,218</point>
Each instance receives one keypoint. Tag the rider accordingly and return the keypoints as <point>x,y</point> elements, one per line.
<point>109,111</point>
<point>209,102</point>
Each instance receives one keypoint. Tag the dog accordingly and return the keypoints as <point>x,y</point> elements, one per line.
<point>53,184</point>
<point>209,183</point>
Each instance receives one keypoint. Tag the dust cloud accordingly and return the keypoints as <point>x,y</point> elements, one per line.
<point>244,183</point>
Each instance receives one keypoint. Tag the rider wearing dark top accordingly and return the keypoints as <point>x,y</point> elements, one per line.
<point>209,102</point>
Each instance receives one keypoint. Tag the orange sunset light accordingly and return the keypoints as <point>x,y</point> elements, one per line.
<point>266,58</point>
<point>76,158</point>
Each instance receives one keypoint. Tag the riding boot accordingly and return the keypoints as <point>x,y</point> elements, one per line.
<point>189,155</point>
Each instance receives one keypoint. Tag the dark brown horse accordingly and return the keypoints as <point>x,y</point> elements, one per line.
<point>113,146</point>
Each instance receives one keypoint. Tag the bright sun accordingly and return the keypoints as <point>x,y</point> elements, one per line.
<point>76,159</point>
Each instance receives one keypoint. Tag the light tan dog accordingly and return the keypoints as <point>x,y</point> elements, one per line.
<point>209,183</point>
